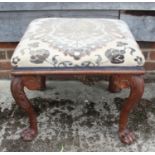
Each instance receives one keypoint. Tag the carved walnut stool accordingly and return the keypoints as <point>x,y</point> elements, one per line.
<point>83,48</point>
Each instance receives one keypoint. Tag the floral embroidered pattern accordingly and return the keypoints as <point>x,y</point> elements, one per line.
<point>39,56</point>
<point>115,56</point>
<point>82,42</point>
<point>78,37</point>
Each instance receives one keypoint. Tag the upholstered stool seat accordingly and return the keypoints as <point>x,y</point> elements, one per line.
<point>84,49</point>
<point>57,43</point>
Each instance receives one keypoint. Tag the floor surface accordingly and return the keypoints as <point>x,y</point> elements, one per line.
<point>76,117</point>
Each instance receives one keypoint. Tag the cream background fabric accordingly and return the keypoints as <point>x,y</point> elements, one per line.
<point>77,42</point>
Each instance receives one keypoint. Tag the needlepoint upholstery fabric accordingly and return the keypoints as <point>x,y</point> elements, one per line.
<point>77,42</point>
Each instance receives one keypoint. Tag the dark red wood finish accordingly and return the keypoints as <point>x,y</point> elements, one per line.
<point>118,81</point>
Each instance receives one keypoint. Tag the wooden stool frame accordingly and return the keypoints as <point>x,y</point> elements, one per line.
<point>35,80</point>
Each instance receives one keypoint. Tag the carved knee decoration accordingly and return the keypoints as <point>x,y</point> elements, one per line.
<point>118,82</point>
<point>34,82</point>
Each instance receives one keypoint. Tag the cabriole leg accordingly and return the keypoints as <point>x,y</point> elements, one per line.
<point>17,88</point>
<point>136,85</point>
